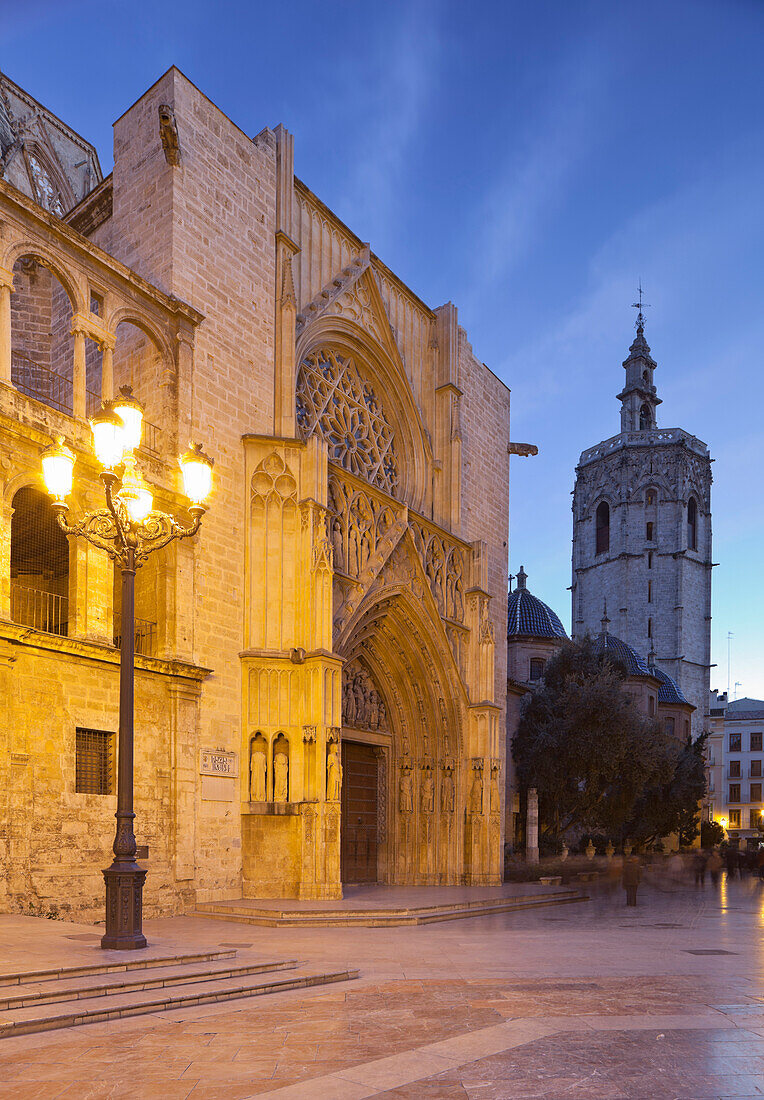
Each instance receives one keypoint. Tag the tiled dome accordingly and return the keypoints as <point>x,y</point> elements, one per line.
<point>530,617</point>
<point>607,645</point>
<point>669,691</point>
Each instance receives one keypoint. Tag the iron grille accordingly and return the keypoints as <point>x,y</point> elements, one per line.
<point>94,768</point>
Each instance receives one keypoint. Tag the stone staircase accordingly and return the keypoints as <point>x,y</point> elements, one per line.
<point>283,914</point>
<point>43,1000</point>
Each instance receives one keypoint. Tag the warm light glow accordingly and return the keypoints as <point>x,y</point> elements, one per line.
<point>129,409</point>
<point>108,437</point>
<point>197,474</point>
<point>134,494</point>
<point>57,467</point>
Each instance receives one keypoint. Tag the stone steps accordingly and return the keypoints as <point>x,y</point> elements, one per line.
<point>252,912</point>
<point>63,998</point>
<point>76,988</point>
<point>130,963</point>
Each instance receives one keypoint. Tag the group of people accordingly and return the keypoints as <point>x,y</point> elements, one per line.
<point>713,862</point>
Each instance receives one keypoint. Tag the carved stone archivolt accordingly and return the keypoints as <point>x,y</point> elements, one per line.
<point>335,400</point>
<point>362,704</point>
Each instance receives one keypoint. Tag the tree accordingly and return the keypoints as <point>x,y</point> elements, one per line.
<point>584,746</point>
<point>673,807</point>
<point>711,834</point>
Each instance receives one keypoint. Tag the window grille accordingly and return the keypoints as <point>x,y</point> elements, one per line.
<point>735,739</point>
<point>755,792</point>
<point>734,792</point>
<point>537,668</point>
<point>734,819</point>
<point>39,564</point>
<point>94,762</point>
<point>755,742</point>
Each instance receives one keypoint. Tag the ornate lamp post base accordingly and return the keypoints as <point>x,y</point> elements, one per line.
<point>124,907</point>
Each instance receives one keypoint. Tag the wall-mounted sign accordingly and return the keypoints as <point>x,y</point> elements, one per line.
<point>217,762</point>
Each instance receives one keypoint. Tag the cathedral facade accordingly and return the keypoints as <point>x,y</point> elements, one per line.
<point>319,693</point>
<point>642,537</point>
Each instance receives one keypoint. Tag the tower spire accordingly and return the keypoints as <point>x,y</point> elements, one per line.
<point>604,620</point>
<point>638,397</point>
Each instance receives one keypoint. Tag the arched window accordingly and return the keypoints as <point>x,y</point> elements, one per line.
<point>39,565</point>
<point>650,498</point>
<point>692,524</point>
<point>602,526</point>
<point>645,418</point>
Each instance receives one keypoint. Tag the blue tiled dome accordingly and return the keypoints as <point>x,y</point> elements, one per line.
<point>530,617</point>
<point>669,691</point>
<point>607,645</point>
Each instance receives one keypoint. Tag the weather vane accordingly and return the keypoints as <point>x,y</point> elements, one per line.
<point>640,305</point>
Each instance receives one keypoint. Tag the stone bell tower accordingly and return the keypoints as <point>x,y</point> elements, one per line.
<point>642,535</point>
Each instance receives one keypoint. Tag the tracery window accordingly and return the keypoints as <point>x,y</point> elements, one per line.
<point>47,193</point>
<point>334,400</point>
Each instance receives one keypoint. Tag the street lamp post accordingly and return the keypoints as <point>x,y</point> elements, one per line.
<point>128,529</point>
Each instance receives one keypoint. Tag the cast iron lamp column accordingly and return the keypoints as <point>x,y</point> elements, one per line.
<point>128,529</point>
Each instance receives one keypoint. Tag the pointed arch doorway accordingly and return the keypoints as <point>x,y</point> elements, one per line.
<point>359,829</point>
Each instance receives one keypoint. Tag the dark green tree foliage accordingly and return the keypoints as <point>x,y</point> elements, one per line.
<point>585,747</point>
<point>711,834</point>
<point>673,807</point>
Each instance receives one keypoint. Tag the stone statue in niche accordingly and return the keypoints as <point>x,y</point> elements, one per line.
<point>476,793</point>
<point>495,793</point>
<point>454,598</point>
<point>427,794</point>
<point>338,545</point>
<point>257,770</point>
<point>333,773</point>
<point>280,778</point>
<point>406,792</point>
<point>447,792</point>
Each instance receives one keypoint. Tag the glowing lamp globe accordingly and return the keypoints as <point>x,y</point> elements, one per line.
<point>196,467</point>
<point>108,437</point>
<point>135,494</point>
<point>57,467</point>
<point>130,411</point>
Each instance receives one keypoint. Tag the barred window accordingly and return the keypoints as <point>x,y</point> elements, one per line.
<point>94,762</point>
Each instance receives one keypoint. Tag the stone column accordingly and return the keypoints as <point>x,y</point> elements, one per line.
<point>107,370</point>
<point>532,827</point>
<point>5,330</point>
<point>79,395</point>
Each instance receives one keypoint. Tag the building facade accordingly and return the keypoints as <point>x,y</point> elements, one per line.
<point>319,693</point>
<point>735,761</point>
<point>642,537</point>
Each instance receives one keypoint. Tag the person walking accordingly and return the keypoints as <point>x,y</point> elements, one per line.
<point>699,863</point>
<point>715,865</point>
<point>732,861</point>
<point>632,873</point>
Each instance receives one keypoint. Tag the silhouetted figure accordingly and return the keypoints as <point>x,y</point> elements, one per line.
<point>699,864</point>
<point>715,865</point>
<point>632,873</point>
<point>732,862</point>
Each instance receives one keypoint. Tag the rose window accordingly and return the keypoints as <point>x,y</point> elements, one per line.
<point>333,399</point>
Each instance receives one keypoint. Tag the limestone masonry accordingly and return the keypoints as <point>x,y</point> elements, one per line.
<point>319,695</point>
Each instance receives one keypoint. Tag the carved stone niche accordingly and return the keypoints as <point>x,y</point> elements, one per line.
<point>475,801</point>
<point>334,733</point>
<point>281,769</point>
<point>427,789</point>
<point>495,793</point>
<point>406,788</point>
<point>447,788</point>
<point>258,769</point>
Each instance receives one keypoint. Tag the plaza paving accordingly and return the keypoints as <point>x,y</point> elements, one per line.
<point>590,1000</point>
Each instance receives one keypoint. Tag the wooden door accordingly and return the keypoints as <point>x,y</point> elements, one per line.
<point>358,852</point>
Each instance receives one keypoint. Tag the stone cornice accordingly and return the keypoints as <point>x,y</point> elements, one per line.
<point>97,652</point>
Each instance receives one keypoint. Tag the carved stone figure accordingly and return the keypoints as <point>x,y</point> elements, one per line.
<point>168,132</point>
<point>476,793</point>
<point>373,710</point>
<point>427,794</point>
<point>338,545</point>
<point>447,792</point>
<point>280,778</point>
<point>257,770</point>
<point>495,793</point>
<point>333,774</point>
<point>406,792</point>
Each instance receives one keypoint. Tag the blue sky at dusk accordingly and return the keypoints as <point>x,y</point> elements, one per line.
<point>529,162</point>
